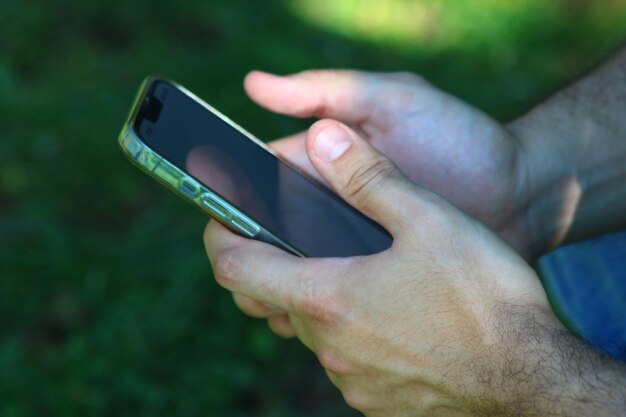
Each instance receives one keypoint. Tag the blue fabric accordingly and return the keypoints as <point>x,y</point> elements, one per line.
<point>587,283</point>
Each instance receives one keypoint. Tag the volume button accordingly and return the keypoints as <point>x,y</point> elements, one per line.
<point>215,207</point>
<point>245,226</point>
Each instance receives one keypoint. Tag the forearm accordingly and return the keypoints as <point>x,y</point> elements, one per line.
<point>548,371</point>
<point>575,145</point>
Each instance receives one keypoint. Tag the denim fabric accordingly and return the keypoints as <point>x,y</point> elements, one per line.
<point>587,282</point>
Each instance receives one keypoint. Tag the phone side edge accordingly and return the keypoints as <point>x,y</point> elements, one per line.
<point>171,177</point>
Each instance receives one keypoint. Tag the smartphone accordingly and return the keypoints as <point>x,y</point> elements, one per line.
<point>228,174</point>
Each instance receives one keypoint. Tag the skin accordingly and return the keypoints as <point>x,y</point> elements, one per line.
<point>435,139</point>
<point>451,320</point>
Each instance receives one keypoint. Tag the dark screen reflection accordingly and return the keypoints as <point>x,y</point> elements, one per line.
<point>288,205</point>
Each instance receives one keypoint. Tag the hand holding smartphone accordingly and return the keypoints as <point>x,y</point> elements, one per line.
<point>233,177</point>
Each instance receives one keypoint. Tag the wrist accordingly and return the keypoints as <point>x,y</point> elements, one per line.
<point>575,143</point>
<point>511,323</point>
<point>551,186</point>
<point>573,177</point>
<point>543,369</point>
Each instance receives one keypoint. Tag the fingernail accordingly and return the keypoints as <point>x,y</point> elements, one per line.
<point>331,143</point>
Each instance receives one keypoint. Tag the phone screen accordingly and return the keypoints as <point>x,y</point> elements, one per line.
<point>294,208</point>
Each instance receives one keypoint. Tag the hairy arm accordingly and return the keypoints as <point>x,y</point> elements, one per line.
<point>576,145</point>
<point>548,371</point>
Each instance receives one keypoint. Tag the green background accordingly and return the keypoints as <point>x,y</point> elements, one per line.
<point>107,303</point>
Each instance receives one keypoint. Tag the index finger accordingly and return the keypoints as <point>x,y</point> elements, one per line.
<point>271,275</point>
<point>338,94</point>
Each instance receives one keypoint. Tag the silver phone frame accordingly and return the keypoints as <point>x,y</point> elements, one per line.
<point>187,187</point>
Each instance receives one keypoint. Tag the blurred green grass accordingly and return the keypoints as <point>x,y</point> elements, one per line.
<point>107,306</point>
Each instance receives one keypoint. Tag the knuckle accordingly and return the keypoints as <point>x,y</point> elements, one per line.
<point>215,236</point>
<point>318,76</point>
<point>368,177</point>
<point>321,109</point>
<point>225,268</point>
<point>335,89</point>
<point>333,362</point>
<point>324,308</point>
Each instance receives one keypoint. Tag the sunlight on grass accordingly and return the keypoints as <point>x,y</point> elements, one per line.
<point>432,25</point>
<point>395,21</point>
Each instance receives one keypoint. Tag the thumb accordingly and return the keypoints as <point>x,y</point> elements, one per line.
<point>362,176</point>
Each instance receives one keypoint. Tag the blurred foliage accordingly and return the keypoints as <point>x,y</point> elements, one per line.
<point>107,306</point>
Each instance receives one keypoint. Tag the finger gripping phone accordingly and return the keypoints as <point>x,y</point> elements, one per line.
<point>236,179</point>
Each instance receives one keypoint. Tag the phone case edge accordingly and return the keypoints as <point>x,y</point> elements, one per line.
<point>171,176</point>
